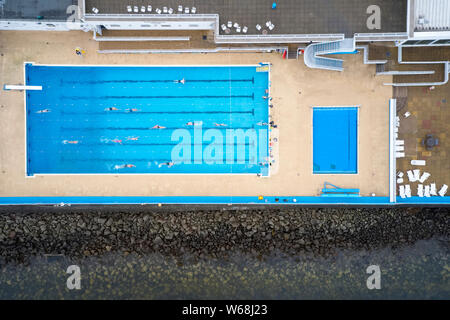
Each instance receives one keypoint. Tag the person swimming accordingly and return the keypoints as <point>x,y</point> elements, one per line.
<point>158,127</point>
<point>117,141</point>
<point>133,138</point>
<point>43,111</point>
<point>133,110</point>
<point>111,109</point>
<point>70,141</point>
<point>183,81</point>
<point>262,123</point>
<point>168,164</point>
<point>194,123</point>
<point>123,166</point>
<point>220,124</point>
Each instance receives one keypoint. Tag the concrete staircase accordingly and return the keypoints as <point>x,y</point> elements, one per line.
<point>422,66</point>
<point>313,52</point>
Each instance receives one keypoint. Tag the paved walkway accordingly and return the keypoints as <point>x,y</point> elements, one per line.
<point>295,89</point>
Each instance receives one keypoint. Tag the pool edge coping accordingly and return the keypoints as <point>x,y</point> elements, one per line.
<point>269,64</point>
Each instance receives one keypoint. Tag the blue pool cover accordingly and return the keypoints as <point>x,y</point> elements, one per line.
<point>100,120</point>
<point>335,138</point>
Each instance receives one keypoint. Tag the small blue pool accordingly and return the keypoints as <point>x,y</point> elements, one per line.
<point>133,120</point>
<point>335,140</point>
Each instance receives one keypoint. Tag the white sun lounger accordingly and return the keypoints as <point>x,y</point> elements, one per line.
<point>402,192</point>
<point>420,190</point>
<point>186,10</point>
<point>193,10</point>
<point>399,148</point>
<point>223,27</point>
<point>407,114</point>
<point>230,24</point>
<point>268,23</point>
<point>165,9</point>
<point>180,8</point>
<point>399,142</point>
<point>418,162</point>
<point>424,177</point>
<point>149,8</point>
<point>158,11</point>
<point>400,174</point>
<point>416,173</point>
<point>258,27</point>
<point>427,191</point>
<point>129,9</point>
<point>244,29</point>
<point>170,10</point>
<point>136,9</point>
<point>443,190</point>
<point>238,29</point>
<point>411,177</point>
<point>271,27</point>
<point>95,10</point>
<point>408,190</point>
<point>143,9</point>
<point>399,154</point>
<point>400,180</point>
<point>433,191</point>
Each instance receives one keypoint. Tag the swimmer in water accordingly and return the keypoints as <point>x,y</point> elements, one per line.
<point>132,110</point>
<point>158,127</point>
<point>43,111</point>
<point>117,141</point>
<point>168,164</point>
<point>111,109</point>
<point>220,124</point>
<point>194,123</point>
<point>180,81</point>
<point>262,123</point>
<point>122,166</point>
<point>133,138</point>
<point>70,141</point>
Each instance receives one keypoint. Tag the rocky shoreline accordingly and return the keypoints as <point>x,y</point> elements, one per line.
<point>77,232</point>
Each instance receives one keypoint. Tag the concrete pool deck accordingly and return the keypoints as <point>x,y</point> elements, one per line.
<point>295,90</point>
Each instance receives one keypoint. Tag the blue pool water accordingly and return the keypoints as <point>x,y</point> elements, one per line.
<point>335,137</point>
<point>100,120</point>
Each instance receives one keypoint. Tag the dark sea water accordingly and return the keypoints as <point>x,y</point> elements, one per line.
<point>419,271</point>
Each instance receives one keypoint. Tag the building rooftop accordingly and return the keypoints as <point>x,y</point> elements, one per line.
<point>31,9</point>
<point>432,15</point>
<point>290,17</point>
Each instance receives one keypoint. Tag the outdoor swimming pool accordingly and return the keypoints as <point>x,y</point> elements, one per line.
<point>147,119</point>
<point>335,138</point>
